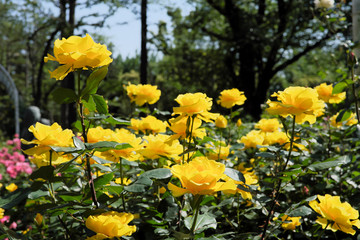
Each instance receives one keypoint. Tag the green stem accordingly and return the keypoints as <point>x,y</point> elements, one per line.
<point>323,230</point>
<point>277,190</point>
<point>355,95</point>
<point>197,201</point>
<point>122,184</point>
<point>51,186</point>
<point>189,133</point>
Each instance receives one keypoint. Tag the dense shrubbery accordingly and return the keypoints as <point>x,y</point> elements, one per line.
<point>190,174</point>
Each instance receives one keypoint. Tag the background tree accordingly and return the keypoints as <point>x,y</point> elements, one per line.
<point>251,42</point>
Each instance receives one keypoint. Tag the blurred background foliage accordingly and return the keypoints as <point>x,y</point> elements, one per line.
<point>256,46</point>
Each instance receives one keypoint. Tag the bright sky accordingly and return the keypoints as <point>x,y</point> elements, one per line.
<point>124,27</point>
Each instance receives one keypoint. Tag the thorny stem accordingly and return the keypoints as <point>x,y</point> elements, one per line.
<point>277,191</point>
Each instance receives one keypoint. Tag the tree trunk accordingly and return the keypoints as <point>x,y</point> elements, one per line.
<point>143,60</point>
<point>68,111</point>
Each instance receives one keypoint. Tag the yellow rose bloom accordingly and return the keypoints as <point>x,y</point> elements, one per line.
<point>276,137</point>
<point>252,139</point>
<point>268,125</point>
<point>46,136</point>
<point>325,94</point>
<point>194,104</point>
<point>43,159</point>
<point>231,97</point>
<point>99,134</point>
<point>11,187</point>
<point>158,146</point>
<point>123,136</point>
<point>221,122</point>
<point>250,179</point>
<point>335,215</point>
<point>348,122</point>
<point>199,177</point>
<point>179,128</point>
<point>147,125</point>
<point>141,94</point>
<point>290,223</point>
<point>2,211</point>
<point>38,219</point>
<point>220,152</point>
<point>238,122</point>
<point>110,224</point>
<point>301,102</point>
<point>77,53</point>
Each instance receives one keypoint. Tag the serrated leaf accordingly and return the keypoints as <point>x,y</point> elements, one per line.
<point>64,95</point>
<point>94,80</point>
<point>160,173</point>
<point>101,105</point>
<point>203,222</point>
<point>234,174</point>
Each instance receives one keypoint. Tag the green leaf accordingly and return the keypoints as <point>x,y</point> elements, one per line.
<point>44,172</point>
<point>114,189</point>
<point>106,145</point>
<point>265,155</point>
<point>75,198</point>
<point>329,164</point>
<point>114,121</point>
<point>339,87</point>
<point>343,115</point>
<point>38,194</point>
<point>101,181</point>
<point>101,105</point>
<point>234,174</point>
<point>89,103</point>
<point>160,173</point>
<point>139,186</point>
<point>65,149</point>
<point>78,143</point>
<point>64,95</point>
<point>300,212</point>
<point>203,222</point>
<point>14,198</point>
<point>94,80</point>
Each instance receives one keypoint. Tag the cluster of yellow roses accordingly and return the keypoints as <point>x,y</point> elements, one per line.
<point>203,175</point>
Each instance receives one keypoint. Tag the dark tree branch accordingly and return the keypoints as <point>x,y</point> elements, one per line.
<point>216,6</point>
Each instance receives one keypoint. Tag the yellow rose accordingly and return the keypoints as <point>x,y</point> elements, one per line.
<point>335,215</point>
<point>46,136</point>
<point>252,139</point>
<point>221,122</point>
<point>150,124</point>
<point>77,53</point>
<point>199,177</point>
<point>38,219</point>
<point>2,211</point>
<point>194,104</point>
<point>238,122</point>
<point>231,97</point>
<point>301,102</point>
<point>43,159</point>
<point>290,223</point>
<point>250,179</point>
<point>11,187</point>
<point>99,134</point>
<point>221,151</point>
<point>110,224</point>
<point>268,125</point>
<point>158,146</point>
<point>179,128</point>
<point>141,94</point>
<point>325,94</point>
<point>351,120</point>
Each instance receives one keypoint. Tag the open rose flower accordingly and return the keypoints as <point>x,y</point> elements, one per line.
<point>77,53</point>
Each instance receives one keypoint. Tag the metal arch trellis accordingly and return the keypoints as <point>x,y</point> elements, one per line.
<point>13,92</point>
